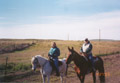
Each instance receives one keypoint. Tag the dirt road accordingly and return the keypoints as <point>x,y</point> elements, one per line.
<point>112,72</point>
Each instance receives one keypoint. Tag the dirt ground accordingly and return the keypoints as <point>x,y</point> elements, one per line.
<point>112,72</point>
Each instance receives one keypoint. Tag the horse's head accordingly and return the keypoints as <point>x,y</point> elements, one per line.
<point>70,55</point>
<point>34,62</point>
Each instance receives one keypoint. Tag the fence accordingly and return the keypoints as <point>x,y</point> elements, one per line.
<point>9,70</point>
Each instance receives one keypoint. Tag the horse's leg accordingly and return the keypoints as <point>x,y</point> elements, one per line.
<point>94,77</point>
<point>82,77</point>
<point>64,77</point>
<point>101,71</point>
<point>48,78</point>
<point>61,77</point>
<point>44,78</point>
<point>78,76</point>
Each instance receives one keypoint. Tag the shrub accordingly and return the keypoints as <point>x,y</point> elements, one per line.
<point>22,67</point>
<point>14,67</point>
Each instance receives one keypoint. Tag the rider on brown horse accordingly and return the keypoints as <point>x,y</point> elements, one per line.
<point>86,50</point>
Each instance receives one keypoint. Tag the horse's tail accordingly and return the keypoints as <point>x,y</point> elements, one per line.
<point>66,69</point>
<point>101,71</point>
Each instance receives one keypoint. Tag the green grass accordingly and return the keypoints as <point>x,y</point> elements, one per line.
<point>13,67</point>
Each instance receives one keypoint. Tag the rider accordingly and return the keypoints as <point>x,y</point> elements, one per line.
<point>54,53</point>
<point>86,49</point>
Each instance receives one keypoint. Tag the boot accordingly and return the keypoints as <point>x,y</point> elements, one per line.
<point>57,73</point>
<point>93,68</point>
<point>91,64</point>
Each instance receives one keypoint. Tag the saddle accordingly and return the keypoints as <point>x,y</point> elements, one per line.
<point>53,65</point>
<point>94,58</point>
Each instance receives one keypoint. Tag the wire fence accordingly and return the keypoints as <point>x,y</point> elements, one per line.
<point>9,70</point>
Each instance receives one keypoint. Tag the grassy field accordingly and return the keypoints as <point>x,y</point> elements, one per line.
<point>41,47</point>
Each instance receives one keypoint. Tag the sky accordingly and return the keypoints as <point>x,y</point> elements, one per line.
<point>60,19</point>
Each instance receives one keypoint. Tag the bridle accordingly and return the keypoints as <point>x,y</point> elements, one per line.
<point>37,62</point>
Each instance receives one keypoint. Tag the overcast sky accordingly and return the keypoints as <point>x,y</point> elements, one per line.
<point>56,19</point>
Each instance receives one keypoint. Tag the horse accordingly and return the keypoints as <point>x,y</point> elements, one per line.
<point>82,66</point>
<point>46,69</point>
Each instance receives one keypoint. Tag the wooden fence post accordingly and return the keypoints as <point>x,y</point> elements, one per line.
<point>6,66</point>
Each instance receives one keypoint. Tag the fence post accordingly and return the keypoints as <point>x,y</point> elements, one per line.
<point>6,66</point>
<point>65,55</point>
<point>14,69</point>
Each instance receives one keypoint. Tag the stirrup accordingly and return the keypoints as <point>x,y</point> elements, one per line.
<point>57,74</point>
<point>93,69</point>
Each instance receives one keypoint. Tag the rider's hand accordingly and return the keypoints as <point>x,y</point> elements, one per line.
<point>85,54</point>
<point>48,54</point>
<point>80,53</point>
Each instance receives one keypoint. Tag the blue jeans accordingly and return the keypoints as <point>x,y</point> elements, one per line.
<point>56,63</point>
<point>90,56</point>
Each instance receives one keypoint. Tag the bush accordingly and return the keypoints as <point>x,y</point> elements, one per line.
<point>14,67</point>
<point>22,67</point>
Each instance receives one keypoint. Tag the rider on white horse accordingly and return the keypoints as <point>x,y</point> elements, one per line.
<point>46,68</point>
<point>54,53</point>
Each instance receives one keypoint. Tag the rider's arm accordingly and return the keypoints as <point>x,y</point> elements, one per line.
<point>89,49</point>
<point>81,49</point>
<point>56,52</point>
<point>50,52</point>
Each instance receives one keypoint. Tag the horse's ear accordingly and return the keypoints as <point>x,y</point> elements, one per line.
<point>72,48</point>
<point>35,57</point>
<point>69,48</point>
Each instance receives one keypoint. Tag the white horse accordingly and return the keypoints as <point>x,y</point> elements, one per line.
<point>46,69</point>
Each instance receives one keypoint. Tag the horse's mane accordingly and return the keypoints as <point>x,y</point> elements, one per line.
<point>39,56</point>
<point>77,53</point>
<point>79,58</point>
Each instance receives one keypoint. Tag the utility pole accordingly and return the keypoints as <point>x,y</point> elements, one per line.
<point>99,35</point>
<point>99,39</point>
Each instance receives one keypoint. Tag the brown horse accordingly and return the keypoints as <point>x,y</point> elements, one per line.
<point>82,66</point>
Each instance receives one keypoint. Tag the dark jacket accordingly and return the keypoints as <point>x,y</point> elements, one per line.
<point>54,52</point>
